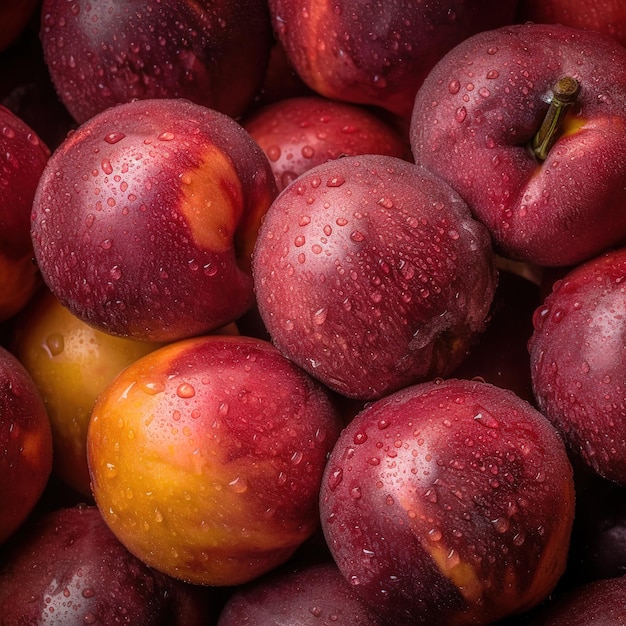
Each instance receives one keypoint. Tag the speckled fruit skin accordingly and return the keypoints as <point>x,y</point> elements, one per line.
<point>605,16</point>
<point>145,217</point>
<point>314,595</point>
<point>206,458</point>
<point>377,53</point>
<point>371,274</point>
<point>71,363</point>
<point>599,602</point>
<point>111,51</point>
<point>450,503</point>
<point>299,133</point>
<point>23,156</point>
<point>578,361</point>
<point>66,567</point>
<point>25,445</point>
<point>478,110</point>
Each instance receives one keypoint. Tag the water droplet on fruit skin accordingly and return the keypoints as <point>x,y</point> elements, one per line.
<point>454,86</point>
<point>335,478</point>
<point>54,344</point>
<point>460,114</point>
<point>114,137</point>
<point>483,417</point>
<point>335,181</point>
<point>185,390</point>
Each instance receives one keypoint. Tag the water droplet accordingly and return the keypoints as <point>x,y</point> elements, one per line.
<point>319,317</point>
<point>115,272</point>
<point>360,438</point>
<point>238,485</point>
<point>152,388</point>
<point>483,417</point>
<point>355,493</point>
<point>335,181</point>
<point>54,344</point>
<point>335,478</point>
<point>166,136</point>
<point>106,166</point>
<point>454,86</point>
<point>461,114</point>
<point>273,152</point>
<point>501,524</point>
<point>113,138</point>
<point>308,152</point>
<point>357,236</point>
<point>185,390</point>
<point>491,74</point>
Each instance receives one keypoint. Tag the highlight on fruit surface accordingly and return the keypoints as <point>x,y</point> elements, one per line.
<point>145,217</point>
<point>578,361</point>
<point>109,52</point>
<point>371,274</point>
<point>449,502</point>
<point>206,458</point>
<point>484,105</point>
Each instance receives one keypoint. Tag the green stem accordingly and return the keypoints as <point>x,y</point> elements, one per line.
<point>565,92</point>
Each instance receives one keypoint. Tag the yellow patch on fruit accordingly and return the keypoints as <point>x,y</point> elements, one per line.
<point>212,200</point>
<point>572,124</point>
<point>461,573</point>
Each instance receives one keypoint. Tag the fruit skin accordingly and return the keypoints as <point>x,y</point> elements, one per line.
<point>221,443</point>
<point>371,274</point>
<point>71,363</point>
<point>377,54</point>
<point>578,360</point>
<point>297,134</point>
<point>23,157</point>
<point>145,217</point>
<point>599,602</point>
<point>104,53</point>
<point>449,502</point>
<point>66,567</point>
<point>314,595</point>
<point>25,442</point>
<point>605,16</point>
<point>480,107</point>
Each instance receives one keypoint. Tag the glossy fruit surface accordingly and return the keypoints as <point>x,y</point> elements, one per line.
<point>449,502</point>
<point>108,52</point>
<point>478,113</point>
<point>371,274</point>
<point>25,445</point>
<point>66,567</point>
<point>71,363</point>
<point>578,361</point>
<point>206,458</point>
<point>145,218</point>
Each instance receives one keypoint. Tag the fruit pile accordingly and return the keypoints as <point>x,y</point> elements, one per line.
<point>312,313</point>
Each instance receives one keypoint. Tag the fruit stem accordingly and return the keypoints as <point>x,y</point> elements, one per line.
<point>564,96</point>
